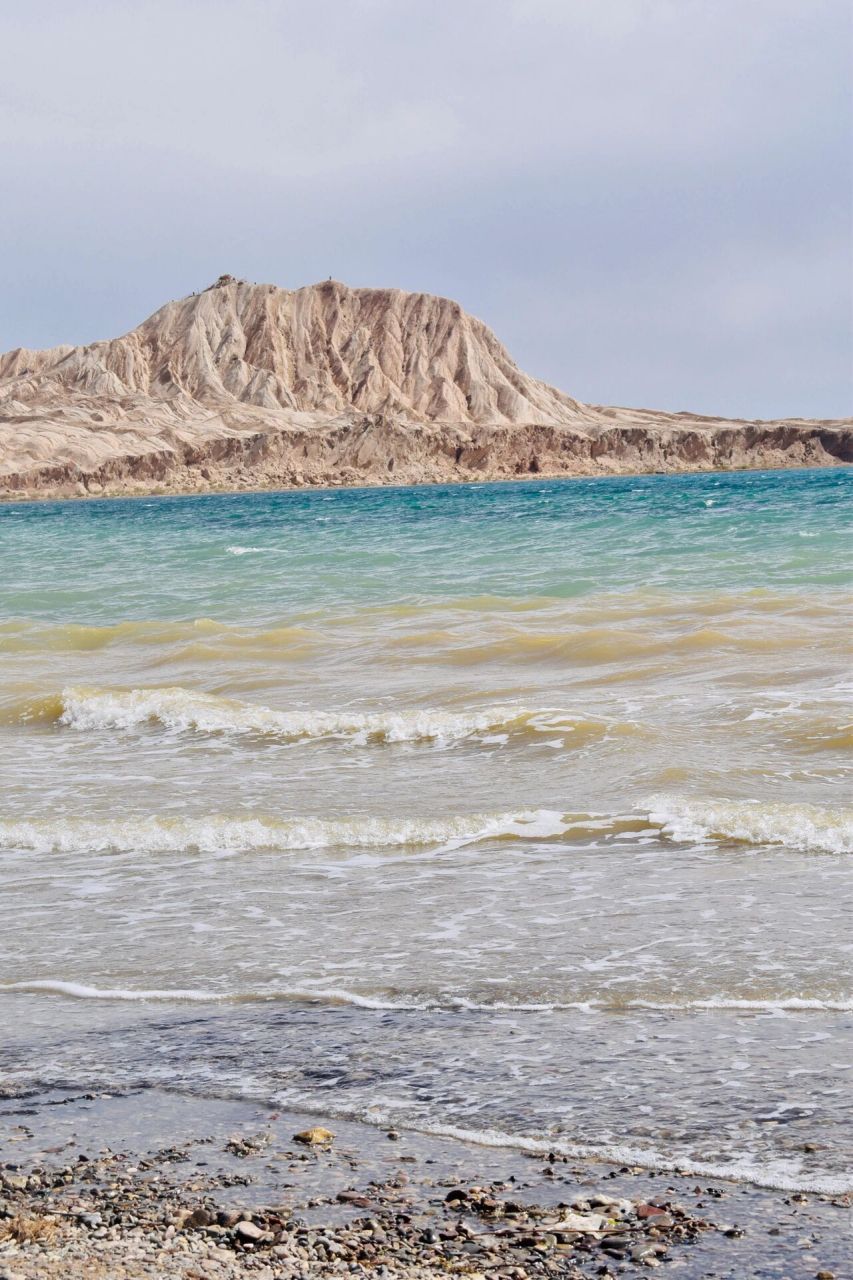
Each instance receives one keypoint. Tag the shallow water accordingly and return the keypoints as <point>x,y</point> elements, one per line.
<point>522,807</point>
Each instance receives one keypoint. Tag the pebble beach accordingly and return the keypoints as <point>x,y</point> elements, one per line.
<point>244,1191</point>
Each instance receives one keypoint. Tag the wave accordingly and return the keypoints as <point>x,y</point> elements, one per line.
<point>44,710</point>
<point>180,710</point>
<point>80,991</point>
<point>609,628</point>
<point>431,1004</point>
<point>227,835</point>
<point>804,828</point>
<point>818,733</point>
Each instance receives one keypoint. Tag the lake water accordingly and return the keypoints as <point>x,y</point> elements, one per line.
<point>514,810</point>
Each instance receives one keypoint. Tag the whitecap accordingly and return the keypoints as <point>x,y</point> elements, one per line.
<point>182,710</point>
<point>805,827</point>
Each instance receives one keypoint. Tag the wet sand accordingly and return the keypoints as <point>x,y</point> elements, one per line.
<point>152,1183</point>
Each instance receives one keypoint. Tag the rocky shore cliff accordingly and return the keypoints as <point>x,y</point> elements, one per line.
<point>251,386</point>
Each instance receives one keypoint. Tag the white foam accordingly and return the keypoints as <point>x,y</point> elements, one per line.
<point>182,710</point>
<point>430,1004</point>
<point>226,835</point>
<point>779,1175</point>
<point>737,1004</point>
<point>245,551</point>
<point>800,827</point>
<point>804,827</point>
<point>179,995</point>
<point>79,991</point>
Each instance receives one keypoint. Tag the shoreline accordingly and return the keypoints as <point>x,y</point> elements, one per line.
<point>153,1183</point>
<point>349,484</point>
<point>807,1162</point>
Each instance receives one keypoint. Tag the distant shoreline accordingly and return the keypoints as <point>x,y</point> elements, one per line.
<point>136,489</point>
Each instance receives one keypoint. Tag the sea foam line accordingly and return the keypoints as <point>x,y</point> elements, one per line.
<point>80,991</point>
<point>776,1175</point>
<point>439,1004</point>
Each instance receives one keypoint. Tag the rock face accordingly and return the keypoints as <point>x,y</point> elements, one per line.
<point>251,386</point>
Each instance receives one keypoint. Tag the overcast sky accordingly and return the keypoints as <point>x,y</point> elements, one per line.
<point>650,201</point>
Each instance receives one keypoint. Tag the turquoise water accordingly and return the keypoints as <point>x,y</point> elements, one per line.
<point>256,557</point>
<point>524,806</point>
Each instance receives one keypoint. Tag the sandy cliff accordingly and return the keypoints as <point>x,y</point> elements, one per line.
<point>245,386</point>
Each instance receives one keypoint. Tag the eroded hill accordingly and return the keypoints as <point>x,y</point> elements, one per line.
<point>248,385</point>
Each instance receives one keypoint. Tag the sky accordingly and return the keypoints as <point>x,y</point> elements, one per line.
<point>649,201</point>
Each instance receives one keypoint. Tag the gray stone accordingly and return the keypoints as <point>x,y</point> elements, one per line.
<point>249,1231</point>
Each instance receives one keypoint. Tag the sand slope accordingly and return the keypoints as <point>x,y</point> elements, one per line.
<point>248,385</point>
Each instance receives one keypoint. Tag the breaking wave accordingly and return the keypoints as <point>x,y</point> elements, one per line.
<point>225,835</point>
<point>181,710</point>
<point>804,828</point>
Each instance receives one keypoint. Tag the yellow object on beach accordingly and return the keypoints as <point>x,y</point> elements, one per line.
<point>315,1137</point>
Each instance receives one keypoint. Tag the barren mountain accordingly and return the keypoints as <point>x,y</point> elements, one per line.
<point>251,386</point>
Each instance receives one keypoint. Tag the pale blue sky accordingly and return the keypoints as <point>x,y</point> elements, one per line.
<point>650,201</point>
